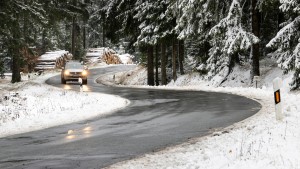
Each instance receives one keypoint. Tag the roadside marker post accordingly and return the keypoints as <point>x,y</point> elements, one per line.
<point>277,83</point>
<point>256,79</point>
<point>80,82</point>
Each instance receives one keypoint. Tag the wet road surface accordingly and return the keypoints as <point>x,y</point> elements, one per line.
<point>155,119</point>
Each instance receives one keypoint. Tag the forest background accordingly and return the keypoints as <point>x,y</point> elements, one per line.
<point>167,36</point>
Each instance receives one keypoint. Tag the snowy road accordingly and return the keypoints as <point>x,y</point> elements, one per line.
<point>155,119</point>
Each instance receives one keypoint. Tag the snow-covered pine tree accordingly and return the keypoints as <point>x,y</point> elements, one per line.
<point>122,25</point>
<point>97,26</point>
<point>228,38</point>
<point>129,24</point>
<point>195,17</point>
<point>193,24</point>
<point>13,16</point>
<point>155,23</point>
<point>147,13</point>
<point>287,41</point>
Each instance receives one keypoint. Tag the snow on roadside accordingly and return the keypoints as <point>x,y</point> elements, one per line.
<point>257,142</point>
<point>33,105</point>
<point>126,58</point>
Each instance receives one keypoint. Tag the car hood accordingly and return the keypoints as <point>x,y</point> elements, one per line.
<point>75,70</point>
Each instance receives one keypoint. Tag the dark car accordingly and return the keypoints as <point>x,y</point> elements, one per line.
<point>72,71</point>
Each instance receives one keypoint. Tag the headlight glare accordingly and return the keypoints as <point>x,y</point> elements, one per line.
<point>84,73</point>
<point>67,72</point>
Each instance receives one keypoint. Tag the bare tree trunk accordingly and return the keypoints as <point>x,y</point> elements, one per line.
<point>16,77</point>
<point>25,26</point>
<point>181,55</point>
<point>164,60</point>
<point>256,32</point>
<point>73,37</point>
<point>280,19</point>
<point>103,30</point>
<point>156,65</point>
<point>44,43</point>
<point>174,57</point>
<point>84,36</point>
<point>15,51</point>
<point>74,33</point>
<point>150,66</point>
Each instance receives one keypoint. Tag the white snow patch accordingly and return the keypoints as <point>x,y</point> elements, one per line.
<point>126,58</point>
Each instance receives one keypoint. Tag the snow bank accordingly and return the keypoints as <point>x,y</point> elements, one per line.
<point>126,58</point>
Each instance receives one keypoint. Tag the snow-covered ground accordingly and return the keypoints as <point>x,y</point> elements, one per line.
<point>257,142</point>
<point>33,105</point>
<point>126,58</point>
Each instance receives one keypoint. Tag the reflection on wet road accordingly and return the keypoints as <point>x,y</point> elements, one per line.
<point>155,119</point>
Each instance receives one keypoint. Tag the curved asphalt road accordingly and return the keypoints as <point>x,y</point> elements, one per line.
<point>155,119</point>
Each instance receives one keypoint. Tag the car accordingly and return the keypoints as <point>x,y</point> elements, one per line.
<point>73,71</point>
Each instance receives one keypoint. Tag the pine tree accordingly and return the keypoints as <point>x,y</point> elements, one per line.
<point>106,11</point>
<point>256,31</point>
<point>150,66</point>
<point>155,24</point>
<point>228,38</point>
<point>122,25</point>
<point>154,21</point>
<point>11,28</point>
<point>194,21</point>
<point>174,57</point>
<point>156,64</point>
<point>96,24</point>
<point>164,60</point>
<point>181,55</point>
<point>287,41</point>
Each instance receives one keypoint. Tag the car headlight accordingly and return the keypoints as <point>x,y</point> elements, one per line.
<point>67,72</point>
<point>84,73</point>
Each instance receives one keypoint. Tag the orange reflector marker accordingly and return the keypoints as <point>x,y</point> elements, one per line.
<point>277,96</point>
<point>277,84</point>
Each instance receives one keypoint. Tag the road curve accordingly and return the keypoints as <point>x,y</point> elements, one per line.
<point>155,119</point>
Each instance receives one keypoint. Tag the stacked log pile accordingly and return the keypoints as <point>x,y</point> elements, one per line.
<point>110,57</point>
<point>94,55</point>
<point>61,61</point>
<point>52,60</point>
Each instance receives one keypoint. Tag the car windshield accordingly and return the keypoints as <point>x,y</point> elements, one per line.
<point>74,65</point>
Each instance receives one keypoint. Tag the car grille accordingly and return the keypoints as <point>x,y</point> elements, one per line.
<point>75,73</point>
